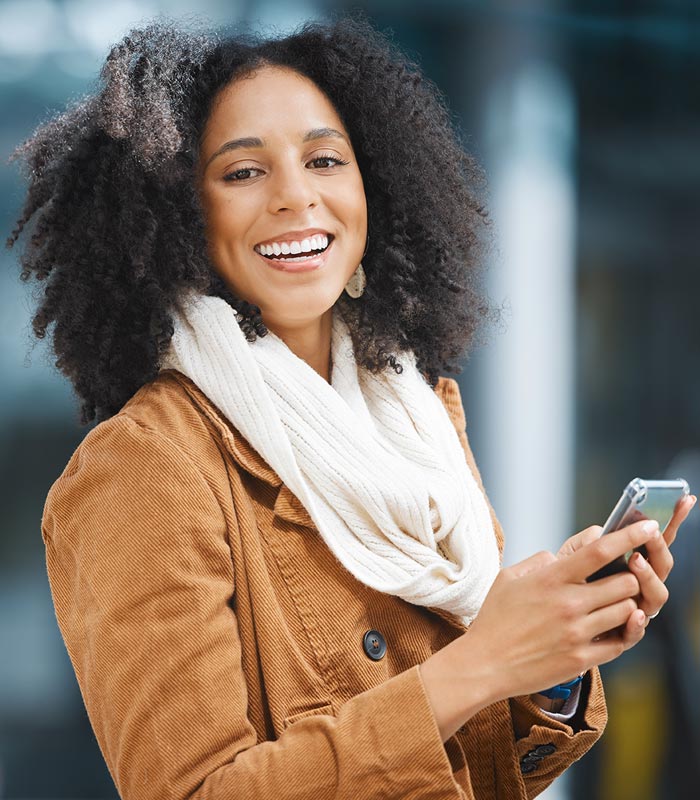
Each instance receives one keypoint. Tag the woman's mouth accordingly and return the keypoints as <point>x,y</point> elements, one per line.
<point>296,256</point>
<point>295,250</point>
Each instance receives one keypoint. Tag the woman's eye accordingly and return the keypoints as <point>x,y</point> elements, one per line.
<point>240,174</point>
<point>323,162</point>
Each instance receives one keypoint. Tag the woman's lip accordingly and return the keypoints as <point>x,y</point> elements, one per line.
<point>297,266</point>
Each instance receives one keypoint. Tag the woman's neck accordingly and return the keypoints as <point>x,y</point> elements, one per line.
<point>311,342</point>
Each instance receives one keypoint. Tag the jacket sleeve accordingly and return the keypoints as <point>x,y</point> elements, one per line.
<point>142,581</point>
<point>538,746</point>
<point>545,747</point>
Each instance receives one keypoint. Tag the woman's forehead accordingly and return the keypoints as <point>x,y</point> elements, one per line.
<point>270,100</point>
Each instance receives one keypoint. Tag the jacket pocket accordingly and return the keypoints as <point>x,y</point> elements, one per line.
<point>308,712</point>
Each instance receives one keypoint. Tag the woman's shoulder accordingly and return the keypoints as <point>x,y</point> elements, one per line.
<point>159,436</point>
<point>170,405</point>
<point>167,409</point>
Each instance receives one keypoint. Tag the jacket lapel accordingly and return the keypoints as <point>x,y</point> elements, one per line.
<point>287,506</point>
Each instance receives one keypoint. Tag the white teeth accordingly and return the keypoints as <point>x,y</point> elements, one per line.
<point>316,242</point>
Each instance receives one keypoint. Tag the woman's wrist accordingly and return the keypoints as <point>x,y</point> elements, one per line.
<point>455,693</point>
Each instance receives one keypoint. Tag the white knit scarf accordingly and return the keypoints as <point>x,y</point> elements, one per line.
<point>374,459</point>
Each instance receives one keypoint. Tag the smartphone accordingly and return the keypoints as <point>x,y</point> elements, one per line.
<point>642,499</point>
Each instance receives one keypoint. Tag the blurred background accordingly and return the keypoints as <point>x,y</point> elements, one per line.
<point>586,118</point>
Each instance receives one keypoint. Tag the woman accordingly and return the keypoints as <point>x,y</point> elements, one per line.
<point>265,559</point>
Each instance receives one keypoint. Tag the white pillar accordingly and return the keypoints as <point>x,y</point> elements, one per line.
<point>525,401</point>
<point>526,380</point>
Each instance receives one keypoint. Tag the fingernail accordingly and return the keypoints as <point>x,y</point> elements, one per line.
<point>639,561</point>
<point>651,526</point>
<point>641,620</point>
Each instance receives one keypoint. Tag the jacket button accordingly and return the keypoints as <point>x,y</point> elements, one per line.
<point>374,645</point>
<point>530,761</point>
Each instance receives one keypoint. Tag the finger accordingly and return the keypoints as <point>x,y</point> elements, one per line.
<point>633,631</point>
<point>607,649</point>
<point>591,557</point>
<point>604,620</point>
<point>653,591</point>
<point>683,507</point>
<point>680,512</point>
<point>659,557</point>
<point>574,543</point>
<point>611,589</point>
<point>608,646</point>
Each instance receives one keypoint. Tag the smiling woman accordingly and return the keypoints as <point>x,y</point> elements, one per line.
<point>273,563</point>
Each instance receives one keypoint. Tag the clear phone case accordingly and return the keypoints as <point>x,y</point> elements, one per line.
<point>642,499</point>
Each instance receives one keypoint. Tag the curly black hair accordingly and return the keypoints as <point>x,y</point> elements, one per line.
<point>118,232</point>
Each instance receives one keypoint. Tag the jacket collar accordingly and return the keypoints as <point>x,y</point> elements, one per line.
<point>287,506</point>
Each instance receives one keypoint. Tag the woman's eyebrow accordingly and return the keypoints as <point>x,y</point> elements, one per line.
<point>323,133</point>
<point>254,141</point>
<point>234,144</point>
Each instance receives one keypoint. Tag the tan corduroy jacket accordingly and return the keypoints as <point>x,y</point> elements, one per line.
<point>220,647</point>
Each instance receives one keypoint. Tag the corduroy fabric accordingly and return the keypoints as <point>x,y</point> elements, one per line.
<point>217,642</point>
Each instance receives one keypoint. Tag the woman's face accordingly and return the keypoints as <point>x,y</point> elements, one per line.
<point>278,175</point>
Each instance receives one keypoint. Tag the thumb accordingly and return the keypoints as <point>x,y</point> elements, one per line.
<point>533,563</point>
<point>579,540</point>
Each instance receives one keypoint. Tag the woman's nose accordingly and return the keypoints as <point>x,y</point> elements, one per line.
<point>292,189</point>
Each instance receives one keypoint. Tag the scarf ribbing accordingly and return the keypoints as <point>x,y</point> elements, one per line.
<point>374,459</point>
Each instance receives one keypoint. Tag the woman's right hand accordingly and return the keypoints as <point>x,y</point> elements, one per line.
<point>538,626</point>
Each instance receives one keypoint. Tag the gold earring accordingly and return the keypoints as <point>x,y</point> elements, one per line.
<point>355,287</point>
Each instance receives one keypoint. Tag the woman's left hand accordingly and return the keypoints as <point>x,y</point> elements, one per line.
<point>652,572</point>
